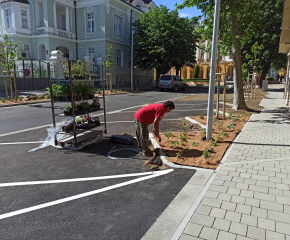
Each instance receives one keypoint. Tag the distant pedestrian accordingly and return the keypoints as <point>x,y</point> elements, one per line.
<point>227,78</point>
<point>277,78</point>
<point>281,78</point>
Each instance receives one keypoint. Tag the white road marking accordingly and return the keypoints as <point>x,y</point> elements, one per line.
<point>50,125</point>
<point>17,143</point>
<point>63,200</point>
<point>73,180</point>
<point>195,122</point>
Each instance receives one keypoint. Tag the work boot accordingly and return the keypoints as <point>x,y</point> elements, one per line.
<point>148,153</point>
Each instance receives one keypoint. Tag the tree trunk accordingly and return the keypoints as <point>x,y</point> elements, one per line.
<point>239,100</point>
<point>264,74</point>
<point>158,73</point>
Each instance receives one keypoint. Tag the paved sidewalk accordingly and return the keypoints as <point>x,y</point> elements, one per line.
<point>248,196</point>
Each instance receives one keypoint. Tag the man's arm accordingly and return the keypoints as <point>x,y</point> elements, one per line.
<point>156,126</point>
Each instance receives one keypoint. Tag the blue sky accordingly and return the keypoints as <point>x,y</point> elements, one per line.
<point>186,12</point>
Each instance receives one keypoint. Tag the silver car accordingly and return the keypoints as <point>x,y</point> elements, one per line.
<point>171,82</point>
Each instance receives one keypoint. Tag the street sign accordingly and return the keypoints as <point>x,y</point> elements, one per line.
<point>26,72</point>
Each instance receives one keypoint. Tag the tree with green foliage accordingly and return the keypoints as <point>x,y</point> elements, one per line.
<point>164,40</point>
<point>196,72</point>
<point>9,55</point>
<point>237,24</point>
<point>261,51</point>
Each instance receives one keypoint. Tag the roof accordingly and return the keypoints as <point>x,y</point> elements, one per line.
<point>145,1</point>
<point>20,1</point>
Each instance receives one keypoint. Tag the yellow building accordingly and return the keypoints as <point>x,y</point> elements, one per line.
<point>203,60</point>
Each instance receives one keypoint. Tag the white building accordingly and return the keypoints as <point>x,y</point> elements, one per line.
<point>77,28</point>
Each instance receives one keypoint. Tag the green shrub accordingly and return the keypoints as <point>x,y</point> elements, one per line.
<point>196,72</point>
<point>3,100</point>
<point>270,79</point>
<point>20,99</point>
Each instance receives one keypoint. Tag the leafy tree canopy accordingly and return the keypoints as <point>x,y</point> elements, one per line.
<point>164,40</point>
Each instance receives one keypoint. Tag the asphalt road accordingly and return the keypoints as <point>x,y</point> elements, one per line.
<point>124,212</point>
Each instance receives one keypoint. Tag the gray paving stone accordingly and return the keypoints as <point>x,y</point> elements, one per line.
<point>252,171</point>
<point>233,216</point>
<point>266,224</point>
<point>221,224</point>
<point>202,209</point>
<point>223,172</point>
<point>278,216</point>
<point>187,237</point>
<point>256,233</point>
<point>229,206</point>
<point>259,189</point>
<point>250,181</point>
<point>265,183</point>
<point>244,186</point>
<point>234,191</point>
<point>209,233</point>
<point>283,228</point>
<point>277,192</point>
<point>211,202</point>
<point>266,173</point>
<point>211,194</point>
<point>245,175</point>
<point>216,188</point>
<point>202,220</point>
<point>219,182</point>
<point>247,193</point>
<point>283,200</point>
<point>224,196</point>
<point>234,174</point>
<point>260,177</point>
<point>282,175</point>
<point>274,236</point>
<point>284,193</point>
<point>223,177</point>
<point>218,213</point>
<point>271,206</point>
<point>226,236</point>
<point>243,238</point>
<point>275,179</point>
<point>258,168</point>
<point>249,220</point>
<point>259,212</point>
<point>263,196</point>
<point>252,202</point>
<point>238,228</point>
<point>238,179</point>
<point>193,229</point>
<point>230,184</point>
<point>282,186</point>
<point>238,199</point>
<point>243,209</point>
<point>287,209</point>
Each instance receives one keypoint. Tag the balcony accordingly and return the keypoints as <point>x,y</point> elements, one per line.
<point>56,32</point>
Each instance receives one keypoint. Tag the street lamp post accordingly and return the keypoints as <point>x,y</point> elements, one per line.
<point>132,63</point>
<point>212,71</point>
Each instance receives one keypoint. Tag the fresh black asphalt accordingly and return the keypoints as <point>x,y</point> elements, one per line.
<point>123,213</point>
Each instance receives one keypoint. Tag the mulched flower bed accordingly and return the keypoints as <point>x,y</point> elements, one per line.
<point>189,148</point>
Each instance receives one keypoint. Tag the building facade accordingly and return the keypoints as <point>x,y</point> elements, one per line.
<point>78,29</point>
<point>203,60</point>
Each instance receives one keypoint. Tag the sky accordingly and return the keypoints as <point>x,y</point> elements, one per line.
<point>186,12</point>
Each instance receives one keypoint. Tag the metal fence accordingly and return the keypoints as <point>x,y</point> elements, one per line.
<point>32,74</point>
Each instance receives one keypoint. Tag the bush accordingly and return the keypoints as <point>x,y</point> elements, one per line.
<point>196,80</point>
<point>270,79</point>
<point>3,100</point>
<point>20,99</point>
<point>196,72</point>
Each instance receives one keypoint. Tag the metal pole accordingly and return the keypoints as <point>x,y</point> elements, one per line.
<point>132,65</point>
<point>212,72</point>
<point>52,102</point>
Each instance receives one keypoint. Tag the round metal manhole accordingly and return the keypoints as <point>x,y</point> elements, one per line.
<point>124,153</point>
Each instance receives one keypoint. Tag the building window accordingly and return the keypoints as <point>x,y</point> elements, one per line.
<point>26,47</point>
<point>91,22</point>
<point>138,6</point>
<point>91,50</point>
<point>63,22</point>
<point>138,81</point>
<point>201,54</point>
<point>121,81</point>
<point>8,18</point>
<point>118,58</point>
<point>24,18</point>
<point>118,26</point>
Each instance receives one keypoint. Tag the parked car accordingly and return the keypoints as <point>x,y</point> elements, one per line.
<point>171,82</point>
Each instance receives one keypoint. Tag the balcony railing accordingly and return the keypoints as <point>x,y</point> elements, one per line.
<point>56,32</point>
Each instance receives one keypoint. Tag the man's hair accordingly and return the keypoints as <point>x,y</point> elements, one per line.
<point>169,104</point>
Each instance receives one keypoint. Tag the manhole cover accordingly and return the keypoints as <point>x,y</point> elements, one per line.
<point>124,153</point>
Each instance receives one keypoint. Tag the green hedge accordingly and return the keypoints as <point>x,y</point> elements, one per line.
<point>270,79</point>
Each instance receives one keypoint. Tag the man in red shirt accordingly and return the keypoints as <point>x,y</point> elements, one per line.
<point>152,113</point>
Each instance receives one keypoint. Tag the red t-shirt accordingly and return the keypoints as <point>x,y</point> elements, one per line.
<point>146,115</point>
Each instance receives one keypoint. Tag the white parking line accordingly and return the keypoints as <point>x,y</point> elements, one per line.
<point>17,143</point>
<point>49,204</point>
<point>73,180</point>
